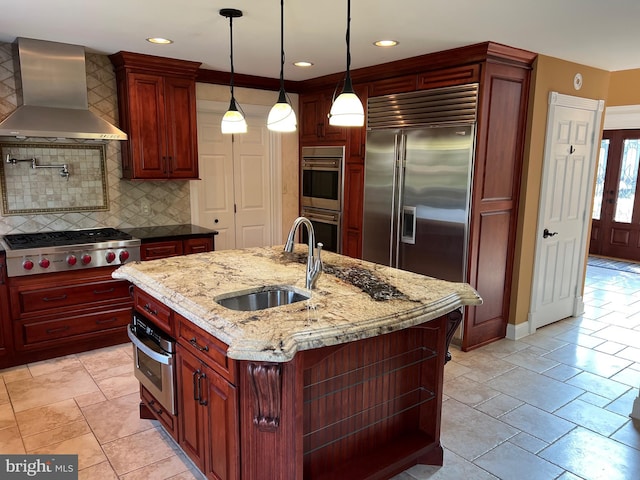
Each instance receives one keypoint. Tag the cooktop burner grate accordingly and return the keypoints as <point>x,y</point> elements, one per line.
<point>20,241</point>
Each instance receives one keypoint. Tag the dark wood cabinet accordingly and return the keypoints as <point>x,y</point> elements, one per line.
<point>172,248</point>
<point>60,313</point>
<point>5,314</point>
<point>208,421</point>
<point>314,120</point>
<point>157,108</point>
<point>151,409</point>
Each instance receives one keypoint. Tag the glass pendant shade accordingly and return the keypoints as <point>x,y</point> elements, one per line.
<point>233,121</point>
<point>347,109</point>
<point>281,117</point>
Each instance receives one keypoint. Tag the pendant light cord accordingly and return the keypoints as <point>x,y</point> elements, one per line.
<point>348,38</point>
<point>282,44</point>
<point>231,54</point>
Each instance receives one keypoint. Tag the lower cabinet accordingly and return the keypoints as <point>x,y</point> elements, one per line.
<point>208,418</point>
<point>172,248</point>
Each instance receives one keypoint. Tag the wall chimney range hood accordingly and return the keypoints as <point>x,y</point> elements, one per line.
<point>51,86</point>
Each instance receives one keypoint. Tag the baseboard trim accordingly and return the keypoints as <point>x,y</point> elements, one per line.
<point>516,332</point>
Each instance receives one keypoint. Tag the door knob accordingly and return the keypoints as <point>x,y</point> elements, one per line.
<point>547,233</point>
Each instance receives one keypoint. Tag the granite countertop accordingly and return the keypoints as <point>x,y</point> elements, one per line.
<point>168,232</point>
<point>353,299</point>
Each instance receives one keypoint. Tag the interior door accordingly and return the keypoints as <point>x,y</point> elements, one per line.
<point>615,228</point>
<point>234,195</point>
<point>567,179</point>
<point>212,197</point>
<point>252,185</point>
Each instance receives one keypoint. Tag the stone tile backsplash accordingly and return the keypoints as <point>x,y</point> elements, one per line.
<point>34,182</point>
<point>168,200</point>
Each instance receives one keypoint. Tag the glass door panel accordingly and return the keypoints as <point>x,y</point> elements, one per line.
<point>599,190</point>
<point>615,228</point>
<point>628,181</point>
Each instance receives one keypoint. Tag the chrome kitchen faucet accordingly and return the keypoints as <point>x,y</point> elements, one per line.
<point>314,259</point>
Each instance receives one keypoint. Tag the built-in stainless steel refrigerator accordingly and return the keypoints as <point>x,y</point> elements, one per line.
<point>417,198</point>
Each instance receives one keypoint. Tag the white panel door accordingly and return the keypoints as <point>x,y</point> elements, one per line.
<point>252,185</point>
<point>237,194</point>
<point>212,197</point>
<point>565,200</point>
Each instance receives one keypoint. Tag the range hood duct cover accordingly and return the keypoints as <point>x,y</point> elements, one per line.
<point>51,83</point>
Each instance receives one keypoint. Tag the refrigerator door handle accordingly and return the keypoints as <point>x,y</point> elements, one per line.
<point>399,181</point>
<point>409,225</point>
<point>394,181</point>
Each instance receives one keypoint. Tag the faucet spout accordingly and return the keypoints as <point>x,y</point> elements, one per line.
<point>314,258</point>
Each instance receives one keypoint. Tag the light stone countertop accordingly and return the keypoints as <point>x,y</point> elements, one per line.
<point>337,312</point>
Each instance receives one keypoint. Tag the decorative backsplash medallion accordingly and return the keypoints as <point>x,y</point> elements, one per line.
<point>41,178</point>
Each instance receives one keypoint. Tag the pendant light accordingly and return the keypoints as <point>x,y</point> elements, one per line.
<point>233,121</point>
<point>347,109</point>
<point>281,117</point>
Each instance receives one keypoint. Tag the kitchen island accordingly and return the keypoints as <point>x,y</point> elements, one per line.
<point>344,384</point>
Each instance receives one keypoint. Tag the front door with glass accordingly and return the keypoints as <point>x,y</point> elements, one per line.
<point>615,228</point>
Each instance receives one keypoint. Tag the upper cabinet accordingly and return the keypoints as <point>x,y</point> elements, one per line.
<point>314,120</point>
<point>157,108</point>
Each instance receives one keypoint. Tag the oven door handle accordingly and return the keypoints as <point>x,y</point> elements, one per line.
<point>158,357</point>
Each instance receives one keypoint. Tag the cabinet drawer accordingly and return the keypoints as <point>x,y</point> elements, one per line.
<point>88,295</point>
<point>155,250</point>
<point>206,347</point>
<point>197,245</point>
<point>168,421</point>
<point>43,331</point>
<point>154,310</point>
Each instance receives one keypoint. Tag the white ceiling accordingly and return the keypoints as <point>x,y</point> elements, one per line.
<point>599,33</point>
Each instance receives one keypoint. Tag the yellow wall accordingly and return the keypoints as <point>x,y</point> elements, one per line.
<point>549,74</point>
<point>289,142</point>
<point>624,88</point>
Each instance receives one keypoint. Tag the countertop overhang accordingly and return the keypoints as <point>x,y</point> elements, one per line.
<point>337,312</point>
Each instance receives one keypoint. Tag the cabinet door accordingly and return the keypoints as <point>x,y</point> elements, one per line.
<point>155,250</point>
<point>197,245</point>
<point>5,317</point>
<point>192,416</point>
<point>314,120</point>
<point>222,428</point>
<point>181,154</point>
<point>331,133</point>
<point>147,138</point>
<point>311,107</point>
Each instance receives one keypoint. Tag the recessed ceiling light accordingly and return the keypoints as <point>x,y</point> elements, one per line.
<point>385,43</point>
<point>303,64</point>
<point>159,40</point>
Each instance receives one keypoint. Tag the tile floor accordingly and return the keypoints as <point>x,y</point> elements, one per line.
<point>554,405</point>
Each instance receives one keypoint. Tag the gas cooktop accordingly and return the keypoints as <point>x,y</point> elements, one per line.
<point>21,241</point>
<point>68,250</point>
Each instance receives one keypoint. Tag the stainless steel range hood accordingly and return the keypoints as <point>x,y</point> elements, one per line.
<point>51,83</point>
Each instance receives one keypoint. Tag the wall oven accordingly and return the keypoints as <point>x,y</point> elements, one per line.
<point>327,227</point>
<point>322,177</point>
<point>154,360</point>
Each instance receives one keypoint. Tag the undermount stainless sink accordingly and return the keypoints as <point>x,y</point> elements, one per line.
<point>262,298</point>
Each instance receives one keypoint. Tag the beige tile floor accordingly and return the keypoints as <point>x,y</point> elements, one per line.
<point>553,405</point>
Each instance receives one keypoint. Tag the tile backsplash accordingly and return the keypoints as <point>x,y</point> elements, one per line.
<point>41,178</point>
<point>168,200</point>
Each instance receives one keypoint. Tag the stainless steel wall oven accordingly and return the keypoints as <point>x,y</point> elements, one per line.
<point>322,177</point>
<point>154,360</point>
<point>327,227</point>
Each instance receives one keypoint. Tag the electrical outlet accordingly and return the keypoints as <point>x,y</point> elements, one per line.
<point>146,209</point>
